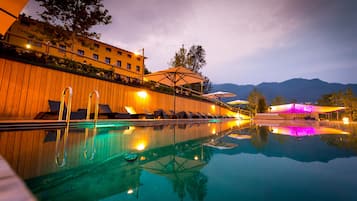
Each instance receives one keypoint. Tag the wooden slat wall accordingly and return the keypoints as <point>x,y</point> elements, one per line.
<point>25,90</point>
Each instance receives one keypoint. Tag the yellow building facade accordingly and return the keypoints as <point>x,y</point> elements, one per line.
<point>26,33</point>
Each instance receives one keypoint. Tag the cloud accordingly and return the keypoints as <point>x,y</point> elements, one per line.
<point>241,37</point>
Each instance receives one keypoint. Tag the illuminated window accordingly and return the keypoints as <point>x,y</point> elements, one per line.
<point>95,56</point>
<point>34,43</point>
<point>80,52</point>
<point>62,48</point>
<point>128,66</point>
<point>119,63</point>
<point>107,60</point>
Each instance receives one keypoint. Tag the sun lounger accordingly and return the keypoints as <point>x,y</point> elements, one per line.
<point>104,110</point>
<point>135,115</point>
<point>54,110</point>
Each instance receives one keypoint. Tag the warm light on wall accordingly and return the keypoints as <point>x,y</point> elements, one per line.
<point>141,146</point>
<point>213,108</point>
<point>28,46</point>
<point>345,120</point>
<point>213,131</point>
<point>142,94</point>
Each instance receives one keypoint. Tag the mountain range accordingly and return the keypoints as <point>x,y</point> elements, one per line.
<point>299,89</point>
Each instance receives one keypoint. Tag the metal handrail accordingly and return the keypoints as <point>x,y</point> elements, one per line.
<point>69,104</point>
<point>96,110</point>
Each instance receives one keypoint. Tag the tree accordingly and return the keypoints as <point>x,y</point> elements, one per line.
<point>180,58</point>
<point>70,18</point>
<point>342,99</point>
<point>262,105</point>
<point>279,100</point>
<point>256,101</point>
<point>196,58</point>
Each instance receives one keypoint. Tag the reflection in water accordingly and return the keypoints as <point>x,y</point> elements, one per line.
<point>299,131</point>
<point>95,166</point>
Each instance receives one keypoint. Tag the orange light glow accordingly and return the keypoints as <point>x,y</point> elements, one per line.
<point>141,146</point>
<point>345,120</point>
<point>142,94</point>
<point>28,46</point>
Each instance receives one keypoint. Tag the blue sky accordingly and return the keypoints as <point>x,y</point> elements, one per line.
<point>246,41</point>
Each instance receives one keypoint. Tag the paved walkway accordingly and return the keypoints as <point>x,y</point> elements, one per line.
<point>11,186</point>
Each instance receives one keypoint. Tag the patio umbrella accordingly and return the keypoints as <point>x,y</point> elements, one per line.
<point>175,76</point>
<point>174,167</point>
<point>238,102</point>
<point>219,95</point>
<point>9,11</point>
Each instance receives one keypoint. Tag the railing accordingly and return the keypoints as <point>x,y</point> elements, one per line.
<point>69,104</point>
<point>96,106</point>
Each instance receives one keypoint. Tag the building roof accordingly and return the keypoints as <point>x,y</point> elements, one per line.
<point>302,108</point>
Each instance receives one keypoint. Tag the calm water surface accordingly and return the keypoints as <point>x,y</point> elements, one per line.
<point>212,161</point>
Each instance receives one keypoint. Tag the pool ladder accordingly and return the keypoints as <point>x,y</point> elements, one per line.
<point>86,155</point>
<point>69,91</point>
<point>96,106</point>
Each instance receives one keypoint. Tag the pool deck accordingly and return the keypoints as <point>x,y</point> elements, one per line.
<point>11,186</point>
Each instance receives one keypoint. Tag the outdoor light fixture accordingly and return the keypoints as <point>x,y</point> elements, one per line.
<point>345,120</point>
<point>196,158</point>
<point>140,146</point>
<point>130,191</point>
<point>142,94</point>
<point>28,46</point>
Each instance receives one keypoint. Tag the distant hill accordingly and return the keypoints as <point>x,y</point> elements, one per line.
<point>302,90</point>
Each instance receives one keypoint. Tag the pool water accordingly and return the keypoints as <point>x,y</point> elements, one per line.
<point>210,161</point>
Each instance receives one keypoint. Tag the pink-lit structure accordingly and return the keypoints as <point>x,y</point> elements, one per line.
<point>302,109</point>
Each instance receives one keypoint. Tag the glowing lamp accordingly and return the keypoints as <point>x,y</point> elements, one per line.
<point>28,46</point>
<point>345,120</point>
<point>196,158</point>
<point>213,131</point>
<point>130,191</point>
<point>142,94</point>
<point>140,147</point>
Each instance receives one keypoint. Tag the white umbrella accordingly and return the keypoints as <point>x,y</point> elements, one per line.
<point>238,102</point>
<point>219,95</point>
<point>175,76</point>
<point>9,11</point>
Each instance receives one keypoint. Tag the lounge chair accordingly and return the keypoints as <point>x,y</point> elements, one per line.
<point>54,110</point>
<point>135,115</point>
<point>160,114</point>
<point>182,115</point>
<point>104,110</point>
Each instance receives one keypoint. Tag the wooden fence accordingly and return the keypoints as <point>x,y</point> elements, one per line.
<point>25,90</point>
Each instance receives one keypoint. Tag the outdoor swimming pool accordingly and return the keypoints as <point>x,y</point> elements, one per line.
<point>229,160</point>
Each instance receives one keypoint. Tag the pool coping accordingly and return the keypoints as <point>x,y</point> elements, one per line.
<point>11,186</point>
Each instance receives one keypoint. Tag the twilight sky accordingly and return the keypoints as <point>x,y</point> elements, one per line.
<point>246,41</point>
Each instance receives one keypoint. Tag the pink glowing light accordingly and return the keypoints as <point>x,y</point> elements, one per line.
<point>297,131</point>
<point>302,108</point>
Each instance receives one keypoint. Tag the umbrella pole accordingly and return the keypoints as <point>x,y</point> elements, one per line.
<point>175,100</point>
